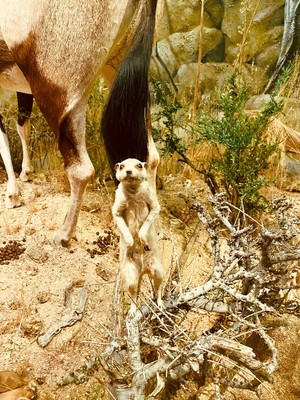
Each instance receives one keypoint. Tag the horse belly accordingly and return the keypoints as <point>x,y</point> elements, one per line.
<point>65,42</point>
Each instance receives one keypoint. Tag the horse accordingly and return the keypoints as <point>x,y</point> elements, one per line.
<point>54,50</point>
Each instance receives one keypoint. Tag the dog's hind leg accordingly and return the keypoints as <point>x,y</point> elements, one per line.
<point>131,280</point>
<point>158,276</point>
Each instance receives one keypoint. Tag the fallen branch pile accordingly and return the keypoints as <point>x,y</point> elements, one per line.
<point>253,270</point>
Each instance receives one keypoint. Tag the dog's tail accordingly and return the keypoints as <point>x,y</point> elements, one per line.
<point>124,121</point>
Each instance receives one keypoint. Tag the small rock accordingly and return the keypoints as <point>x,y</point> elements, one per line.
<point>31,325</point>
<point>43,297</point>
<point>177,224</point>
<point>37,254</point>
<point>30,230</point>
<point>103,273</point>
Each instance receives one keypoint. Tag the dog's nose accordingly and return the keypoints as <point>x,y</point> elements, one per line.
<point>129,172</point>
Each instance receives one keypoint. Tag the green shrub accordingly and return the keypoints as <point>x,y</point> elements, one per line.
<point>239,150</point>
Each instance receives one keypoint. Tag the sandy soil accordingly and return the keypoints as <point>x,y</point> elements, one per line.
<point>32,286</point>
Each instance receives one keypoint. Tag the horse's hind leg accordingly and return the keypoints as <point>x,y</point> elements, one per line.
<point>152,161</point>
<point>25,102</point>
<point>12,191</point>
<point>78,167</point>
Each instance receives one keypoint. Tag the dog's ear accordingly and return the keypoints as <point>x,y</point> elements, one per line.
<point>116,167</point>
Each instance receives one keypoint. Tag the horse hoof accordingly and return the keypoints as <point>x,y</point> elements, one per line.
<point>25,176</point>
<point>12,201</point>
<point>61,241</point>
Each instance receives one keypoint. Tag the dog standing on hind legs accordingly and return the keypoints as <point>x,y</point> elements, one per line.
<point>135,211</point>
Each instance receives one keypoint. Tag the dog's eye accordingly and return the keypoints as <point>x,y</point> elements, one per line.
<point>121,166</point>
<point>140,166</point>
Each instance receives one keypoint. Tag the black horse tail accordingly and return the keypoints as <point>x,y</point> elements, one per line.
<point>25,103</point>
<point>124,121</point>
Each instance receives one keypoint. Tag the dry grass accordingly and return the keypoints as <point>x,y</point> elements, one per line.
<point>9,228</point>
<point>291,86</point>
<point>290,91</point>
<point>287,127</point>
<point>43,147</point>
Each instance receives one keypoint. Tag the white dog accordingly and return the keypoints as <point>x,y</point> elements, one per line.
<point>135,210</point>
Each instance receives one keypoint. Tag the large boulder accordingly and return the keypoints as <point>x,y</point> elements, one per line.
<point>250,27</point>
<point>182,48</point>
<point>214,75</point>
<point>182,15</point>
<point>235,32</point>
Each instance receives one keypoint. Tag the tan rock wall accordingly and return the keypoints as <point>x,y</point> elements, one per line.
<point>246,30</point>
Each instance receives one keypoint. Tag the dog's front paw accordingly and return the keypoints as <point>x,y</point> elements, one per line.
<point>160,304</point>
<point>132,311</point>
<point>129,241</point>
<point>143,236</point>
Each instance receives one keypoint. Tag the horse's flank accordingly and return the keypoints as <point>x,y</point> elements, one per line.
<point>62,46</point>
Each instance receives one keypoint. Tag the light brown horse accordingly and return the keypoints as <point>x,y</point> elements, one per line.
<point>55,50</point>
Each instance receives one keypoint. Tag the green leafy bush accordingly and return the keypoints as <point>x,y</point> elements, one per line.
<point>239,150</point>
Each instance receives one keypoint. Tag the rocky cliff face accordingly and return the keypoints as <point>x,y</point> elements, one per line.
<point>234,31</point>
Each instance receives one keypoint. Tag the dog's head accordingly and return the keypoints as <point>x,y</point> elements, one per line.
<point>131,170</point>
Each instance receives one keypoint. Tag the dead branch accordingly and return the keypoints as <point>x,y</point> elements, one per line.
<point>249,266</point>
<point>70,317</point>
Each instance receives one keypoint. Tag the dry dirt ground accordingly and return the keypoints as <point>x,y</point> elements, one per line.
<point>33,286</point>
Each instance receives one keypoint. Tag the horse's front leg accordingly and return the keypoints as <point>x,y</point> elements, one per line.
<point>78,167</point>
<point>25,102</point>
<point>12,191</point>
